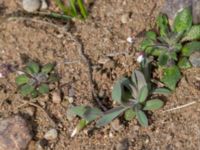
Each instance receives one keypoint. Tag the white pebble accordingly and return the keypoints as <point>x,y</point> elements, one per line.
<point>31,5</point>
<point>130,40</point>
<point>44,5</point>
<point>140,58</point>
<point>52,134</point>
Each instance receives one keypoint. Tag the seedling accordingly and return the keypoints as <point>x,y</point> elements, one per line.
<point>35,79</point>
<point>76,8</point>
<point>133,96</point>
<point>172,45</point>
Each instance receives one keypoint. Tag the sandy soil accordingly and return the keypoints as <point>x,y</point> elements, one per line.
<point>103,36</point>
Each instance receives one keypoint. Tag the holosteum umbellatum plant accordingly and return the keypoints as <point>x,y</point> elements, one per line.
<point>172,45</point>
<point>133,96</point>
<point>35,79</point>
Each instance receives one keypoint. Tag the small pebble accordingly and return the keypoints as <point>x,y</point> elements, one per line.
<point>56,97</point>
<point>195,59</point>
<point>52,134</point>
<point>122,145</point>
<point>115,124</point>
<point>130,40</point>
<point>31,5</point>
<point>125,18</point>
<point>14,133</point>
<point>30,111</point>
<point>70,99</point>
<point>44,5</point>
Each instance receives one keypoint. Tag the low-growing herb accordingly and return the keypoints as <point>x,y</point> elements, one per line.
<point>172,45</point>
<point>35,79</point>
<point>133,96</point>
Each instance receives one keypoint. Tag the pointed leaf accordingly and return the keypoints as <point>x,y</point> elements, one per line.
<point>191,47</point>
<point>153,104</point>
<point>26,89</point>
<point>33,67</point>
<point>143,94</point>
<point>22,79</point>
<point>129,114</point>
<point>47,68</point>
<point>91,114</point>
<point>151,35</point>
<point>43,88</point>
<point>171,76</point>
<point>109,116</point>
<point>184,63</point>
<point>141,81</point>
<point>117,92</point>
<point>164,91</point>
<point>183,20</point>
<point>192,34</point>
<point>163,59</point>
<point>147,43</point>
<point>142,118</point>
<point>162,23</point>
<point>78,110</point>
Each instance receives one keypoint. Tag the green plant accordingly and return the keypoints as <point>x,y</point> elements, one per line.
<point>76,8</point>
<point>172,45</point>
<point>35,79</point>
<point>133,96</point>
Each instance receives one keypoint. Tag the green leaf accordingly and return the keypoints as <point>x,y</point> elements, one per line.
<point>171,76</point>
<point>82,8</point>
<point>143,94</point>
<point>151,35</point>
<point>173,55</point>
<point>142,118</point>
<point>109,116</point>
<point>156,52</point>
<point>153,104</point>
<point>192,34</point>
<point>22,79</point>
<point>164,91</point>
<point>34,93</point>
<point>43,88</point>
<point>32,67</point>
<point>163,59</point>
<point>138,79</point>
<point>91,114</point>
<point>78,110</point>
<point>47,68</point>
<point>184,63</point>
<point>26,89</point>
<point>73,8</point>
<point>162,23</point>
<point>147,43</point>
<point>183,20</point>
<point>129,114</point>
<point>191,47</point>
<point>117,92</point>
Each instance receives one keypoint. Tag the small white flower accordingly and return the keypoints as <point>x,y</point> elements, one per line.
<point>130,39</point>
<point>140,58</point>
